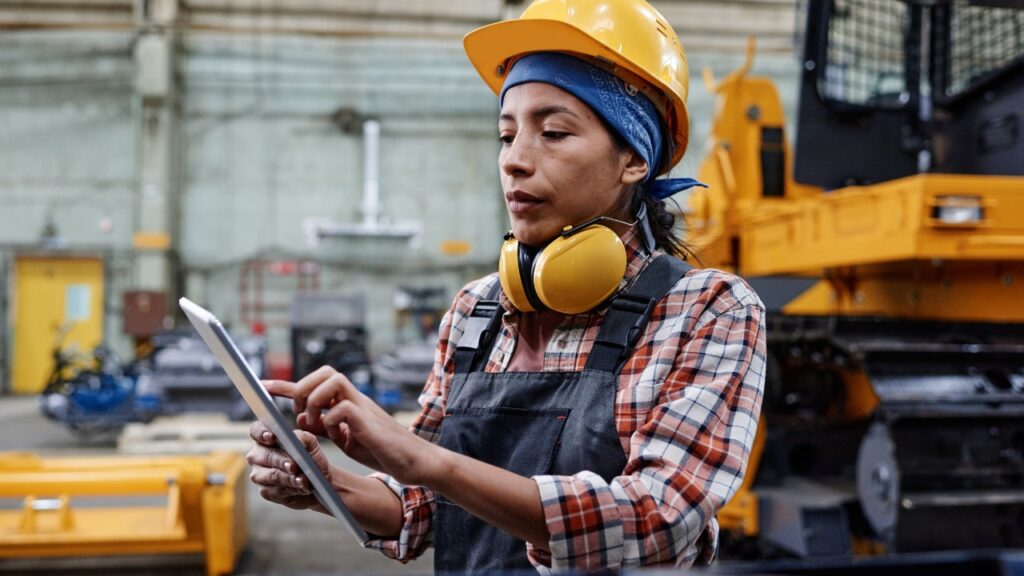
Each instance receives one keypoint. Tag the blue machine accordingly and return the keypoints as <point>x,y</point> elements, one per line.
<point>96,394</point>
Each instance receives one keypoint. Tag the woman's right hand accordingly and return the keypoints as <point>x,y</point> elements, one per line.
<point>277,474</point>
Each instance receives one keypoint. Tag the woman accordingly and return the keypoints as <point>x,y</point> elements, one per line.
<point>593,404</point>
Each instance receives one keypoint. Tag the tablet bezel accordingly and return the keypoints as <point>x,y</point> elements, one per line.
<point>256,396</point>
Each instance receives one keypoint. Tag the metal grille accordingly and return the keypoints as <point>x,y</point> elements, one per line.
<point>865,58</point>
<point>983,40</point>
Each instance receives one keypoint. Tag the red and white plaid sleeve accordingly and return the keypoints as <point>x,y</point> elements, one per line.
<point>418,501</point>
<point>699,392</point>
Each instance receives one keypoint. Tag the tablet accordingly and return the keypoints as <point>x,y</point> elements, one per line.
<point>224,349</point>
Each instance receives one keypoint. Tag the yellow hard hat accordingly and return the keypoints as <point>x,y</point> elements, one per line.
<point>629,37</point>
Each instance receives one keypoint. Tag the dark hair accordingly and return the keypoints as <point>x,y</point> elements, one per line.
<point>662,221</point>
<point>666,237</point>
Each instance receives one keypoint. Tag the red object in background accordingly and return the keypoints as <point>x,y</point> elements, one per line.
<point>283,267</point>
<point>279,366</point>
<point>262,277</point>
<point>144,312</point>
<point>276,280</point>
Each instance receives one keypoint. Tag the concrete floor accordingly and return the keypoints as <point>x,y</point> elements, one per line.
<point>281,541</point>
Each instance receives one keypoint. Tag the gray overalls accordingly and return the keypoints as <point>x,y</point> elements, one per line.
<point>537,423</point>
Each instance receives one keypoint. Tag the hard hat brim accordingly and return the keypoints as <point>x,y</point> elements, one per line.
<point>493,47</point>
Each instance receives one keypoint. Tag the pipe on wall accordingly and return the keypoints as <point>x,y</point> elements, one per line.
<point>373,224</point>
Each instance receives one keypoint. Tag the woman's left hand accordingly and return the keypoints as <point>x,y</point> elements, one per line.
<point>363,430</point>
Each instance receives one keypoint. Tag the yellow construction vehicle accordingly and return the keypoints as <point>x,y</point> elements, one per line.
<point>888,245</point>
<point>106,506</point>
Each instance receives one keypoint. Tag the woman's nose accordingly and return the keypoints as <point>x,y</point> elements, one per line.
<point>517,158</point>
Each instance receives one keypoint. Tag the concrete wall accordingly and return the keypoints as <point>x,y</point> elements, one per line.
<point>67,136</point>
<point>66,152</point>
<point>265,151</point>
<point>262,149</point>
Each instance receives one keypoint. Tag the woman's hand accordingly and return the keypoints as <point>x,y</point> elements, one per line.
<point>276,473</point>
<point>327,403</point>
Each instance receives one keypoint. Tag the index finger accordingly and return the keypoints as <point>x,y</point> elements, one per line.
<point>307,384</point>
<point>279,388</point>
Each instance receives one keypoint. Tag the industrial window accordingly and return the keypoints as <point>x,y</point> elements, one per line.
<point>983,40</point>
<point>865,59</point>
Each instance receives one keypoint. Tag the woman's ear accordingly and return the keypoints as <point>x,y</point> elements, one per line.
<point>635,169</point>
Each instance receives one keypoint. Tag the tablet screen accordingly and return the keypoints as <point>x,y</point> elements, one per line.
<point>242,376</point>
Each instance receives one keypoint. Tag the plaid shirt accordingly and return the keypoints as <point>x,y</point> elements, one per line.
<point>686,409</point>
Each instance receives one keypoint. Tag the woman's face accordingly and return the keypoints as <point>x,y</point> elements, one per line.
<point>559,165</point>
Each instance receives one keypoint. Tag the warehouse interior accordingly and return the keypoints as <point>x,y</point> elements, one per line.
<point>321,175</point>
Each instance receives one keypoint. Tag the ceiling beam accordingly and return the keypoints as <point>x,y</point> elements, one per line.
<point>703,25</point>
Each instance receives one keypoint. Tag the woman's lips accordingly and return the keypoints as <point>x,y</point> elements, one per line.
<point>521,203</point>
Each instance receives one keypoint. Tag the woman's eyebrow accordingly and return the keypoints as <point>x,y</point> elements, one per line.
<point>540,113</point>
<point>553,109</point>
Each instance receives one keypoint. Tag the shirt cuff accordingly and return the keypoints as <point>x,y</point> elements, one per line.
<point>417,512</point>
<point>584,521</point>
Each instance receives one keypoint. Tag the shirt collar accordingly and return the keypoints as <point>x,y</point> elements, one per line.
<point>637,257</point>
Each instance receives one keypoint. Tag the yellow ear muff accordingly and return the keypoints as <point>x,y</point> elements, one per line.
<point>578,271</point>
<point>511,279</point>
<point>574,273</point>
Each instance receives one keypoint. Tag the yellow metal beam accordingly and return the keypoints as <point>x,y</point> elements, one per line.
<point>888,222</point>
<point>204,510</point>
<point>930,290</point>
<point>88,483</point>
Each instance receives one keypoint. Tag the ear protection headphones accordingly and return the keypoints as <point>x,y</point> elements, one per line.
<point>575,272</point>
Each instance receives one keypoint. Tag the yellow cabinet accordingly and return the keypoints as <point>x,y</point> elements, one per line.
<point>52,295</point>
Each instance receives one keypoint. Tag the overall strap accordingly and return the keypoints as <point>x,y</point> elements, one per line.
<point>479,331</point>
<point>630,311</point>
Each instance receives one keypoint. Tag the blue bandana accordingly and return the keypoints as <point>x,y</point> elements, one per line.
<point>621,105</point>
